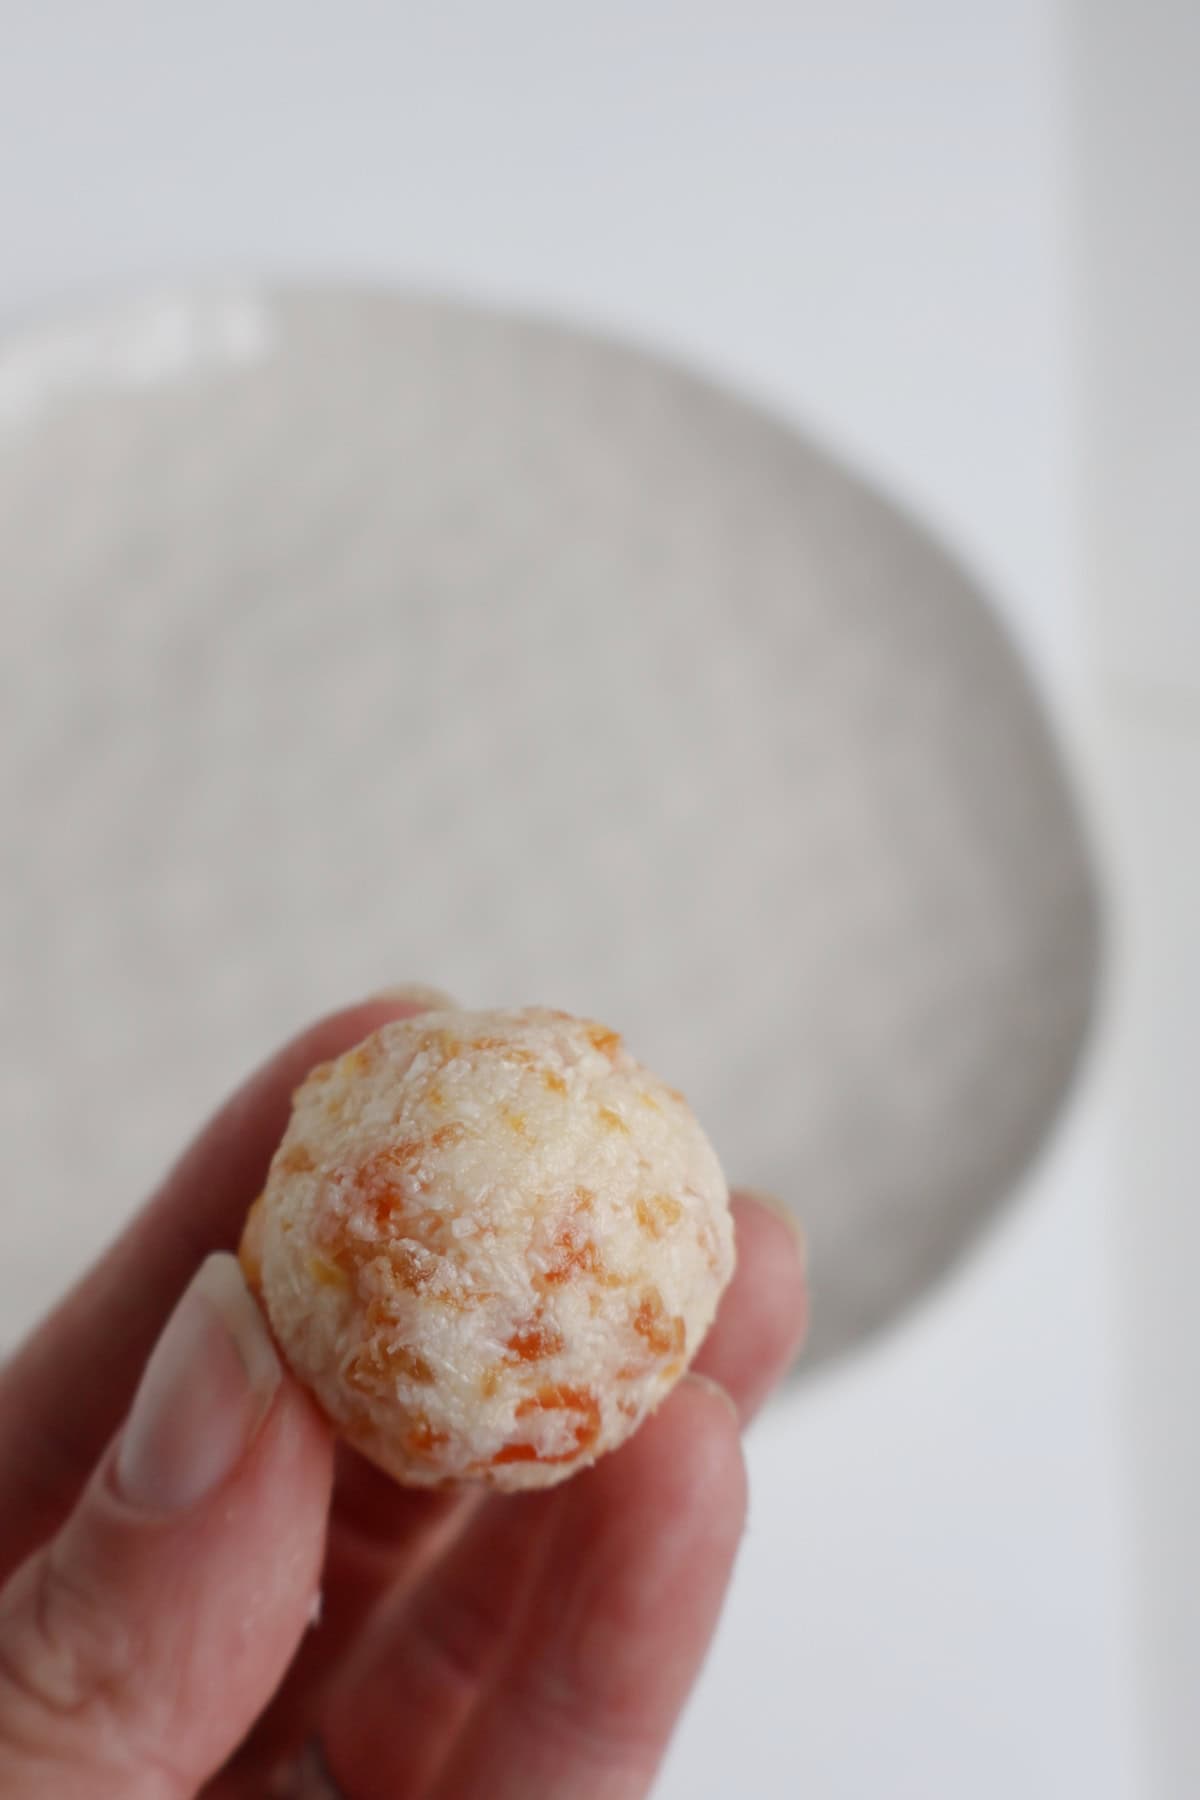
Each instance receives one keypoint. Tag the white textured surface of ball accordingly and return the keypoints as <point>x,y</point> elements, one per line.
<point>490,1243</point>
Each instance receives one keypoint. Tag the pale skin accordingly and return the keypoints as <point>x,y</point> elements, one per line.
<point>157,1582</point>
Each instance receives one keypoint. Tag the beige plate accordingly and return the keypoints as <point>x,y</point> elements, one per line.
<point>351,638</point>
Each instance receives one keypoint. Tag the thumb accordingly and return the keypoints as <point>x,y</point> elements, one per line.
<point>138,1646</point>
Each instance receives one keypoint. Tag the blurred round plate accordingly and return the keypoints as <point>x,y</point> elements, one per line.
<point>353,638</point>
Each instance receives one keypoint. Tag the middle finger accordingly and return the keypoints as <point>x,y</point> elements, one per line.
<point>395,1709</point>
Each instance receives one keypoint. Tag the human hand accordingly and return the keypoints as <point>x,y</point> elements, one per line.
<point>172,1504</point>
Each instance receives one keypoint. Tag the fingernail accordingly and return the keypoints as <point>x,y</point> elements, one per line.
<point>205,1391</point>
<point>695,1379</point>
<point>413,993</point>
<point>782,1211</point>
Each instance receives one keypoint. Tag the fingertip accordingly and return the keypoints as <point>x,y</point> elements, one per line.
<point>773,1255</point>
<point>415,997</point>
<point>685,1463</point>
<point>762,1319</point>
<point>704,1450</point>
<point>697,1381</point>
<point>780,1213</point>
<point>346,1026</point>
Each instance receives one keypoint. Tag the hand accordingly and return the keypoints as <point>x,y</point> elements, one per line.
<point>172,1505</point>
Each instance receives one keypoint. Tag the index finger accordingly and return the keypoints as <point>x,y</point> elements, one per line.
<point>69,1386</point>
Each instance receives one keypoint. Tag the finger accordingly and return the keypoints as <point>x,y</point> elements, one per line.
<point>763,1315</point>
<point>381,1537</point>
<point>625,1604</point>
<point>137,1646</point>
<point>391,1716</point>
<point>404,1693</point>
<point>63,1394</point>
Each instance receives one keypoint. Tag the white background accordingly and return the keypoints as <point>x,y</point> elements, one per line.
<point>1136,77</point>
<point>885,220</point>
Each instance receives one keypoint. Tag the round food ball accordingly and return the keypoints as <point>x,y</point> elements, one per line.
<point>490,1243</point>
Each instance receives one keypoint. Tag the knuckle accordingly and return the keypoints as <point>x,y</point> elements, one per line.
<point>608,1744</point>
<point>458,1638</point>
<point>67,1662</point>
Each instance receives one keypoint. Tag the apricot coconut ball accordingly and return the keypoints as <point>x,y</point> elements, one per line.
<point>490,1243</point>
